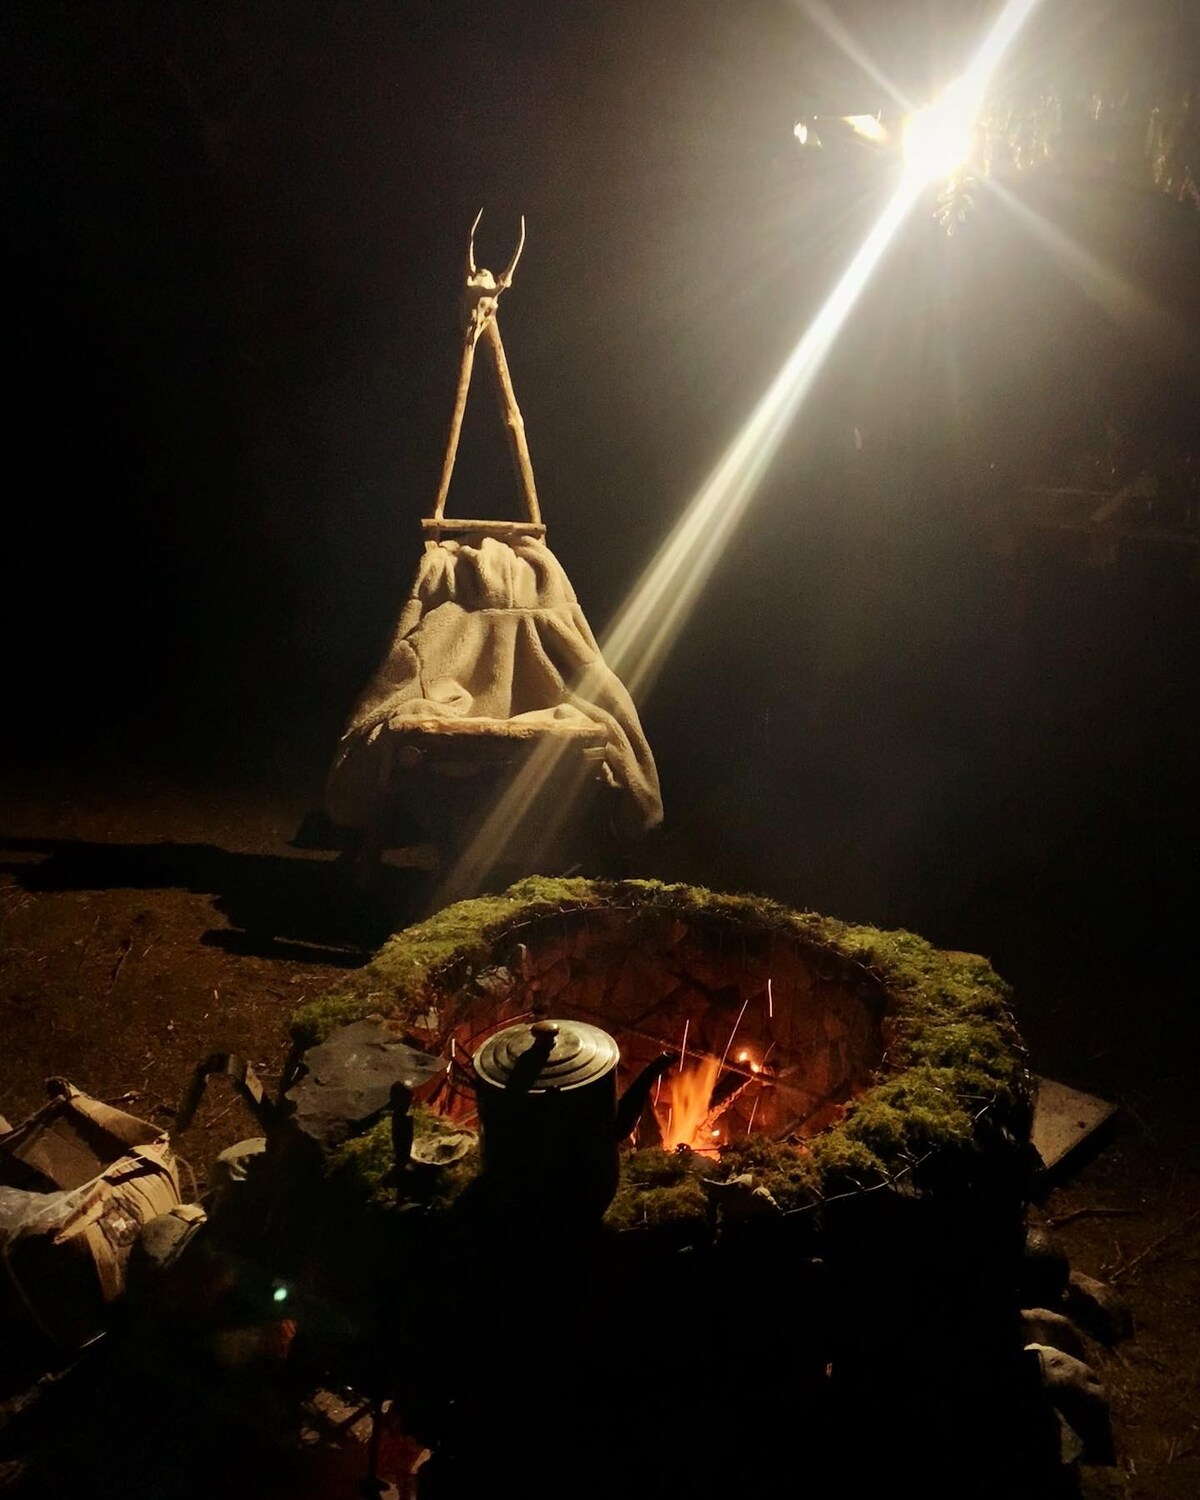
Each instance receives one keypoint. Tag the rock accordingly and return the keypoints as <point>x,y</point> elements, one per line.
<point>232,1166</point>
<point>1044,1271</point>
<point>637,986</point>
<point>551,982</point>
<point>738,1197</point>
<point>1039,1325</point>
<point>1070,1444</point>
<point>671,932</point>
<point>348,1080</point>
<point>159,1245</point>
<point>1077,1393</point>
<point>1098,1308</point>
<point>588,992</point>
<point>443,1148</point>
<point>496,982</point>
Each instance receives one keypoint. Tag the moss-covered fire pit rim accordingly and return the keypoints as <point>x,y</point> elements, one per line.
<point>955,1072</point>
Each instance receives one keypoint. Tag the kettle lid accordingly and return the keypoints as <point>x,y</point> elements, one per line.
<point>573,1053</point>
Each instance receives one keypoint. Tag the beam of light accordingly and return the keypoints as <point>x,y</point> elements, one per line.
<point>821,15</point>
<point>648,623</point>
<point>996,44</point>
<point>652,617</point>
<point>1127,305</point>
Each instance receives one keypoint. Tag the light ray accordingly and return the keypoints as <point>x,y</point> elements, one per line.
<point>647,625</point>
<point>1126,304</point>
<point>649,622</point>
<point>821,15</point>
<point>996,44</point>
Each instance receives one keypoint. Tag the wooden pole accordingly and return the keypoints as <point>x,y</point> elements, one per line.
<point>456,421</point>
<point>513,422</point>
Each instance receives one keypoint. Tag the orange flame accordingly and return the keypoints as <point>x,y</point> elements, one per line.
<point>686,1099</point>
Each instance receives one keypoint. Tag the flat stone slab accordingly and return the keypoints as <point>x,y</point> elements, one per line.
<point>1063,1118</point>
<point>348,1079</point>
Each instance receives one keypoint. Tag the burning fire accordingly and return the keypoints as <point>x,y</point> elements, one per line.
<point>683,1107</point>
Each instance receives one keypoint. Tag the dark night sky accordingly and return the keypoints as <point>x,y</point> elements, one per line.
<point>235,235</point>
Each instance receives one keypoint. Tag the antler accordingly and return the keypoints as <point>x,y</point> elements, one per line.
<point>480,296</point>
<point>471,270</point>
<point>483,289</point>
<point>505,277</point>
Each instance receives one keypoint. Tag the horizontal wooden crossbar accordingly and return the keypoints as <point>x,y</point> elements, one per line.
<point>436,525</point>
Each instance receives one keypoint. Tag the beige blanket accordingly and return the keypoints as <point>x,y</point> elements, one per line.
<point>491,639</point>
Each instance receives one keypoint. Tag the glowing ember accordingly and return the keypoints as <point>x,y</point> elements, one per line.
<point>687,1095</point>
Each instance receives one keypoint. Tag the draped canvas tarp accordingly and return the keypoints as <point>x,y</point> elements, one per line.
<point>491,642</point>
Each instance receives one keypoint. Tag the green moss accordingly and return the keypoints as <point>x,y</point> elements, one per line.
<point>364,1166</point>
<point>364,1163</point>
<point>661,1189</point>
<point>653,1167</point>
<point>844,1163</point>
<point>407,973</point>
<point>313,1022</point>
<point>954,1055</point>
<point>907,1116</point>
<point>792,1175</point>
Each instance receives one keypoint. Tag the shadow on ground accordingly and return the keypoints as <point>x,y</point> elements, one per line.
<point>278,906</point>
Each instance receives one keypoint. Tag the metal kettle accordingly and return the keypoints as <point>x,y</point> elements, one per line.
<point>550,1119</point>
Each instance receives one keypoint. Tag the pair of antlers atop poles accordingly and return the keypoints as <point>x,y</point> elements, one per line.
<point>481,294</point>
<point>483,289</point>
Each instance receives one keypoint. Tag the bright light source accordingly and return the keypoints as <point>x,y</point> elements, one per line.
<point>280,1294</point>
<point>868,126</point>
<point>801,132</point>
<point>938,138</point>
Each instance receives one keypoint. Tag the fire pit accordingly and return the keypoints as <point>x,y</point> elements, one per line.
<point>819,1055</point>
<point>818,1210</point>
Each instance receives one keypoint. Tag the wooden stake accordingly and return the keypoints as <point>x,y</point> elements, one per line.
<point>514,424</point>
<point>456,421</point>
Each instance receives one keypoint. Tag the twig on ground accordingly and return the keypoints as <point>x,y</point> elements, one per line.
<point>187,1167</point>
<point>221,1113</point>
<point>21,899</point>
<point>1129,1266</point>
<point>86,943</point>
<point>1146,1131</point>
<point>122,955</point>
<point>1058,1220</point>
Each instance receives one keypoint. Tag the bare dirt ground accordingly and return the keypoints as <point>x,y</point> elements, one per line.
<point>146,925</point>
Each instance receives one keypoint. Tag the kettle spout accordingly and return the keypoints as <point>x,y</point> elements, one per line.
<point>633,1100</point>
